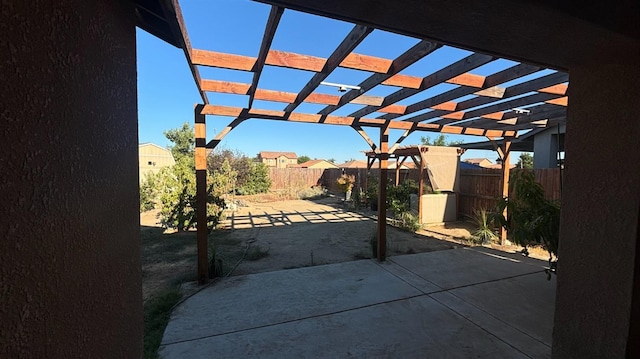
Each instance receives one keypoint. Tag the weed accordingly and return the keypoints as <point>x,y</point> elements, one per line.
<point>408,221</point>
<point>157,312</point>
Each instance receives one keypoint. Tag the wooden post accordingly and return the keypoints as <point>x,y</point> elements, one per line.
<point>382,194</point>
<point>397,172</point>
<point>420,186</point>
<point>505,155</point>
<point>201,195</point>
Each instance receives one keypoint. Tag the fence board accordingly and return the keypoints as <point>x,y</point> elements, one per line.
<point>479,188</point>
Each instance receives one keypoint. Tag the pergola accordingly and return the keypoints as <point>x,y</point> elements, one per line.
<point>498,106</point>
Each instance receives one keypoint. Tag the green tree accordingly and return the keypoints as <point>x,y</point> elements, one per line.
<point>175,187</point>
<point>440,140</point>
<point>332,160</point>
<point>303,159</point>
<point>183,140</point>
<point>251,177</point>
<point>525,161</point>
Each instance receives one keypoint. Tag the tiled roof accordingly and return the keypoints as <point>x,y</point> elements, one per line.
<point>353,164</point>
<point>269,154</point>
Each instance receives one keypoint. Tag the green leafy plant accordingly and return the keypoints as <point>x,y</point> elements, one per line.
<point>531,219</point>
<point>408,222</point>
<point>399,197</point>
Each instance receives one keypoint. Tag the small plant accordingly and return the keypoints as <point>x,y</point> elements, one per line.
<point>157,312</point>
<point>408,221</point>
<point>372,192</point>
<point>358,198</point>
<point>484,233</point>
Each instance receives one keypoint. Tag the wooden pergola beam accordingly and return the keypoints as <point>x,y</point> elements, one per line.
<point>347,121</point>
<point>366,137</point>
<point>238,88</point>
<point>180,32</point>
<point>490,83</point>
<point>456,69</point>
<point>355,37</point>
<point>512,91</point>
<point>512,118</point>
<point>491,109</point>
<point>409,57</point>
<point>267,39</point>
<point>289,60</point>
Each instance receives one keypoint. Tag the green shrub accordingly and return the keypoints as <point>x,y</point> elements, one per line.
<point>531,219</point>
<point>408,221</point>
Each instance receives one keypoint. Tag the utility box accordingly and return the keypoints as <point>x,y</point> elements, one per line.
<point>436,208</point>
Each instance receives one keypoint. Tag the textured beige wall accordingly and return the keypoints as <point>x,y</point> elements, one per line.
<point>70,281</point>
<point>601,199</point>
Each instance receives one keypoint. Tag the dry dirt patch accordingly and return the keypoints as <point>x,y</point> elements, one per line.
<point>300,233</point>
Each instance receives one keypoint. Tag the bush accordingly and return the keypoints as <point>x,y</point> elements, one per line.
<point>399,197</point>
<point>148,193</point>
<point>408,221</point>
<point>249,177</point>
<point>531,219</point>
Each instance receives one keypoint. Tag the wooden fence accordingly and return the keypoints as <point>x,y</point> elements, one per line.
<point>478,188</point>
<point>285,178</point>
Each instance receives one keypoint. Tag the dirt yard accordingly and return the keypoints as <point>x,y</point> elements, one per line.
<point>268,236</point>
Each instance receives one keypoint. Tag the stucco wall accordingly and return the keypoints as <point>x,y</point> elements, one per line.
<point>545,148</point>
<point>601,197</point>
<point>70,281</point>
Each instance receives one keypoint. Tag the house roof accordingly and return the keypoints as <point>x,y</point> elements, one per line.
<point>476,160</point>
<point>146,144</point>
<point>270,154</point>
<point>315,162</point>
<point>469,166</point>
<point>353,164</point>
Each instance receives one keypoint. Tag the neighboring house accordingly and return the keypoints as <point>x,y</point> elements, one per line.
<point>278,159</point>
<point>392,165</point>
<point>498,166</point>
<point>353,164</point>
<point>481,162</point>
<point>151,158</point>
<point>316,164</point>
<point>469,166</point>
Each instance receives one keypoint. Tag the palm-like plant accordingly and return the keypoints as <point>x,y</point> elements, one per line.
<point>483,221</point>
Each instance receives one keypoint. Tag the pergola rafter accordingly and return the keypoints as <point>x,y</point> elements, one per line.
<point>479,104</point>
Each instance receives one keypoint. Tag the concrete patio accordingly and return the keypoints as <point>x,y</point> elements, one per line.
<point>458,303</point>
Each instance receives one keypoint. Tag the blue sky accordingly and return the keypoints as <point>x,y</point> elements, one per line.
<point>167,91</point>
